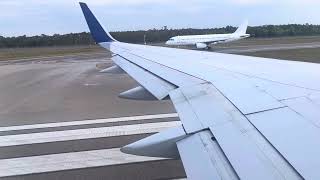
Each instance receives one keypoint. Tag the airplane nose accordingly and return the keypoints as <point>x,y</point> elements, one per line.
<point>167,43</point>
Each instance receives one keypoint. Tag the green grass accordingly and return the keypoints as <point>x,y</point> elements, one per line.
<point>270,41</point>
<point>262,41</point>
<point>25,53</point>
<point>307,55</point>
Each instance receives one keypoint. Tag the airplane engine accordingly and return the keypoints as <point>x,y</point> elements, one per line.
<point>201,46</point>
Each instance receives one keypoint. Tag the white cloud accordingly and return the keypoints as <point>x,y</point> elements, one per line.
<point>274,2</point>
<point>142,2</point>
<point>249,2</point>
<point>90,2</point>
<point>46,16</point>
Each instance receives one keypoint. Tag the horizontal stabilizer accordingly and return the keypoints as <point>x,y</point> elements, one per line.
<point>138,93</point>
<point>162,144</point>
<point>113,70</point>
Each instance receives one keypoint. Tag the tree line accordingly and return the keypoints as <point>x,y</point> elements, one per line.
<point>155,35</point>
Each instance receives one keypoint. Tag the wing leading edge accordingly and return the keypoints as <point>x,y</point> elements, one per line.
<point>237,122</point>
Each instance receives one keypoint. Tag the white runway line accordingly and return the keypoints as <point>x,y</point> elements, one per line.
<point>67,135</point>
<point>67,161</point>
<point>87,122</point>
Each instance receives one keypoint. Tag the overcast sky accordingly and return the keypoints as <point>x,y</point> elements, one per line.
<point>33,17</point>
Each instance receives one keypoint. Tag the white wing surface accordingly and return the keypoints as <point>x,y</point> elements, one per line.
<point>242,117</point>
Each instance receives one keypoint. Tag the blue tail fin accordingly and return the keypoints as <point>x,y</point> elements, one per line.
<point>97,32</point>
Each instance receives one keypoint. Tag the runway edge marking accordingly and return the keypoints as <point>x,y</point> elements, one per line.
<point>67,161</point>
<point>87,122</point>
<point>89,133</point>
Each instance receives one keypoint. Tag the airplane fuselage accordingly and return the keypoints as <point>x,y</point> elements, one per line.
<point>195,40</point>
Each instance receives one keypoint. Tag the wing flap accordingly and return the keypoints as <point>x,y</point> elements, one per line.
<point>245,148</point>
<point>291,134</point>
<point>155,85</point>
<point>243,154</point>
<point>194,104</point>
<point>191,123</point>
<point>210,162</point>
<point>306,108</point>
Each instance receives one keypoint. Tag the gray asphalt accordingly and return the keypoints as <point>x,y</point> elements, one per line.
<point>67,146</point>
<point>60,89</point>
<point>156,170</point>
<point>55,91</point>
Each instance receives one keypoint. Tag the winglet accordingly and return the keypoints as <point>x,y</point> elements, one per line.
<point>97,32</point>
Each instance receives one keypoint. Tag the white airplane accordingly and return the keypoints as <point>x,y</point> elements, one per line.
<point>204,41</point>
<point>241,117</point>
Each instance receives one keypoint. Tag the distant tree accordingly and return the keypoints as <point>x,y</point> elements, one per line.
<point>155,35</point>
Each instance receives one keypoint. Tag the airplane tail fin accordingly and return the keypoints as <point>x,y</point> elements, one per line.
<point>97,31</point>
<point>242,28</point>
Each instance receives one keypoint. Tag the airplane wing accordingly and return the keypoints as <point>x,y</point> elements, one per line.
<point>215,42</point>
<point>242,117</point>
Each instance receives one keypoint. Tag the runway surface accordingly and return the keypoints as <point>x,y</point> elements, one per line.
<point>61,119</point>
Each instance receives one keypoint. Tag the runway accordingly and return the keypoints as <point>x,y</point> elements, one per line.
<point>61,119</point>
